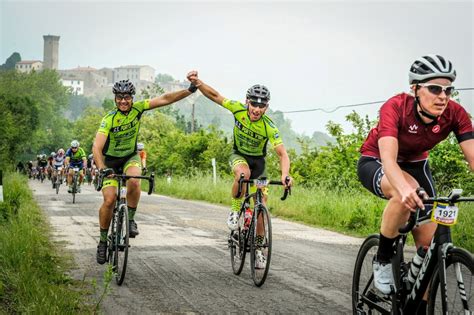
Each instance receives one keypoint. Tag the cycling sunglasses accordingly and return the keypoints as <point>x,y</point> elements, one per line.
<point>259,105</point>
<point>120,97</point>
<point>436,89</point>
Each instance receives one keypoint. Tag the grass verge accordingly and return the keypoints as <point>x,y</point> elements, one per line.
<point>33,273</point>
<point>350,212</point>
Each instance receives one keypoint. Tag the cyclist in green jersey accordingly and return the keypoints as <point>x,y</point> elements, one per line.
<point>252,131</point>
<point>115,151</point>
<point>75,158</point>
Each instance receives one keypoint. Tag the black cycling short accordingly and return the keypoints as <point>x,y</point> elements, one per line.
<point>255,163</point>
<point>370,172</point>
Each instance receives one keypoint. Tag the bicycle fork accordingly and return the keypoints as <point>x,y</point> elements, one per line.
<point>442,256</point>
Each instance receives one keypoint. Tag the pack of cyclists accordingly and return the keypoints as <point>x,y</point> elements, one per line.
<point>392,165</point>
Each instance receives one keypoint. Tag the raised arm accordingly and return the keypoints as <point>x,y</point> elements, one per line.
<point>205,89</point>
<point>169,98</point>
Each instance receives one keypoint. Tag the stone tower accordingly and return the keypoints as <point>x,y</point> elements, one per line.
<point>50,53</point>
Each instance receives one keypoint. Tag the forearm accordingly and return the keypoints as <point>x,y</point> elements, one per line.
<point>209,92</point>
<point>285,166</point>
<point>168,98</point>
<point>98,157</point>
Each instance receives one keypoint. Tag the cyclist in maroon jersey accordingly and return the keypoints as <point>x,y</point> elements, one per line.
<point>394,157</point>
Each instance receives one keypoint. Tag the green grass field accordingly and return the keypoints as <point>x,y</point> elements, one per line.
<point>350,212</point>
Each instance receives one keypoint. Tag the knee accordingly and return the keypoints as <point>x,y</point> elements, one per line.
<point>109,202</point>
<point>133,185</point>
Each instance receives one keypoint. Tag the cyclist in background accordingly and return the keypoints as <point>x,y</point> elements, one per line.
<point>142,154</point>
<point>394,157</point>
<point>58,162</point>
<point>75,158</point>
<point>42,164</point>
<point>29,168</point>
<point>115,151</point>
<point>252,131</point>
<point>50,164</point>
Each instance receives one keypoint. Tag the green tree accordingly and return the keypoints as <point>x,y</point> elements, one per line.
<point>17,112</point>
<point>164,78</point>
<point>85,128</point>
<point>43,92</point>
<point>11,62</point>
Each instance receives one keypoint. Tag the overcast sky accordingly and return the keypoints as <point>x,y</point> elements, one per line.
<point>310,54</point>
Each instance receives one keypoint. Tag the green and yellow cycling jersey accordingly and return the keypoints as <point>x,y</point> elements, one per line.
<point>122,130</point>
<point>251,137</point>
<point>76,157</point>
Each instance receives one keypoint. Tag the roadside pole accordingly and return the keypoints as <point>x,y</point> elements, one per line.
<point>214,172</point>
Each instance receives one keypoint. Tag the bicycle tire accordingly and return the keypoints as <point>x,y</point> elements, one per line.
<point>74,188</point>
<point>260,275</point>
<point>363,289</point>
<point>237,246</point>
<point>57,185</point>
<point>463,259</point>
<point>121,244</point>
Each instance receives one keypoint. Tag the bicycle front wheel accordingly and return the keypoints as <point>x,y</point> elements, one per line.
<point>74,188</point>
<point>121,242</point>
<point>366,299</point>
<point>459,284</point>
<point>237,246</point>
<point>261,249</point>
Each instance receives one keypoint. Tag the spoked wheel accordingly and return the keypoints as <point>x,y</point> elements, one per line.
<point>366,299</point>
<point>74,188</point>
<point>237,246</point>
<point>260,249</point>
<point>459,285</point>
<point>121,243</point>
<point>58,183</point>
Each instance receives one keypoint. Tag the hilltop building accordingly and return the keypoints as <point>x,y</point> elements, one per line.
<point>27,66</point>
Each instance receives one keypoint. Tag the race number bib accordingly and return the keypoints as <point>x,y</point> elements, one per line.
<point>444,214</point>
<point>260,183</point>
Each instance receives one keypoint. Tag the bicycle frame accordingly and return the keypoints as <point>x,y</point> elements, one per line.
<point>436,255</point>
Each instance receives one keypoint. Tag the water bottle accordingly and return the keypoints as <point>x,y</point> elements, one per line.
<point>416,263</point>
<point>247,217</point>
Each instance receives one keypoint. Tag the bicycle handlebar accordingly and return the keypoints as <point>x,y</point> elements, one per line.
<point>242,180</point>
<point>453,197</point>
<point>151,180</point>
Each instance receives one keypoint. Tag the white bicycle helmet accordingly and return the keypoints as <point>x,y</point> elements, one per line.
<point>75,144</point>
<point>140,146</point>
<point>430,67</point>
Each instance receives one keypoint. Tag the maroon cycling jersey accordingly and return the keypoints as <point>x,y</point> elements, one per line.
<point>399,118</point>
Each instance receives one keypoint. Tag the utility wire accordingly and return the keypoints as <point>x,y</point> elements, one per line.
<point>350,105</point>
<point>332,110</point>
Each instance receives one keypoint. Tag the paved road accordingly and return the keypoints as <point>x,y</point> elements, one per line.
<point>180,262</point>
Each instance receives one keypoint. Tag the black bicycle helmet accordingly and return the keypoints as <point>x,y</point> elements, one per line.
<point>124,86</point>
<point>430,67</point>
<point>258,93</point>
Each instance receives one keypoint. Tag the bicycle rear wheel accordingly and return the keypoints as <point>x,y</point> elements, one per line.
<point>121,243</point>
<point>459,284</point>
<point>259,266</point>
<point>366,299</point>
<point>237,246</point>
